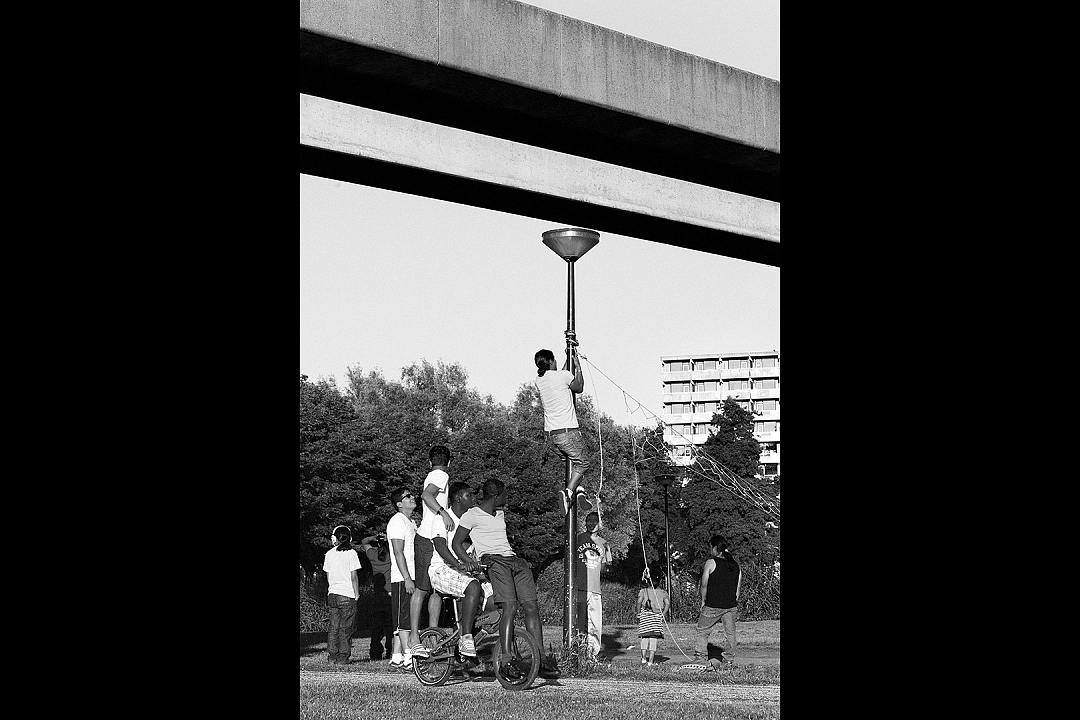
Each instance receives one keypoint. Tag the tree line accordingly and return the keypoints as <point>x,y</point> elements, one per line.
<point>360,442</point>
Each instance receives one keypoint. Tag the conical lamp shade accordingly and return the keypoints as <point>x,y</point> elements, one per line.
<point>571,243</point>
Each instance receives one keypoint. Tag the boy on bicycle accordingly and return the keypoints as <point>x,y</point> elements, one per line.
<point>510,575</point>
<point>447,573</point>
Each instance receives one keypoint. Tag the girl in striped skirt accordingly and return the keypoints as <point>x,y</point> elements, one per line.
<point>652,604</point>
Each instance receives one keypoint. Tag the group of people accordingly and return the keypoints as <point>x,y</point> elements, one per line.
<point>412,567</point>
<point>458,534</point>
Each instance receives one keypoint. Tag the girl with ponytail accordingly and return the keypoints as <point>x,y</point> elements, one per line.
<point>340,564</point>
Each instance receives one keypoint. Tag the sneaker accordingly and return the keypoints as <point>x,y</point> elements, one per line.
<point>564,498</point>
<point>699,667</point>
<point>397,665</point>
<point>548,669</point>
<point>511,671</point>
<point>583,502</point>
<point>481,635</point>
<point>420,651</point>
<point>466,646</point>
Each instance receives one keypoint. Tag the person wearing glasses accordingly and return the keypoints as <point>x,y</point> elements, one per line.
<point>401,532</point>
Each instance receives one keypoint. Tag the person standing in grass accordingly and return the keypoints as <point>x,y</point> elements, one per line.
<point>343,589</point>
<point>721,578</point>
<point>592,554</point>
<point>652,605</point>
<point>401,532</point>
<point>382,625</point>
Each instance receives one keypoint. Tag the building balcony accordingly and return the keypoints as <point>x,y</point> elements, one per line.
<point>767,415</point>
<point>770,457</point>
<point>705,396</point>
<point>678,418</point>
<point>768,393</point>
<point>675,397</point>
<point>767,437</point>
<point>675,376</point>
<point>740,373</point>
<point>706,374</point>
<point>765,372</point>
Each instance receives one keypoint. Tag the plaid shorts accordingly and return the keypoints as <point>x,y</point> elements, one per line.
<point>449,581</point>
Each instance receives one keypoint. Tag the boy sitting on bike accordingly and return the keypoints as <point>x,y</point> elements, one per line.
<point>511,577</point>
<point>448,574</point>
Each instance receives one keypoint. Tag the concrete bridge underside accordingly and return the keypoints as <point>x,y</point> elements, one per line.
<point>502,105</point>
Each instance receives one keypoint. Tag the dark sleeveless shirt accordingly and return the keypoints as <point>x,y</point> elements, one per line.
<point>723,583</point>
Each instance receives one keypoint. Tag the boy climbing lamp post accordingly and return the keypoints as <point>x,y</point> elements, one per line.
<point>666,481</point>
<point>570,244</point>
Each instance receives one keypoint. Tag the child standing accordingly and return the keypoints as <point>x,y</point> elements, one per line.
<point>652,605</point>
<point>401,532</point>
<point>343,589</point>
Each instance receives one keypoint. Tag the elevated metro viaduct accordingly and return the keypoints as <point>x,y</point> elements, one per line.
<point>502,105</point>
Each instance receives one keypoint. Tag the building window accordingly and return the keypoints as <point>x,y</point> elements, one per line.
<point>678,387</point>
<point>770,468</point>
<point>736,363</point>
<point>766,427</point>
<point>679,366</point>
<point>767,384</point>
<point>679,408</point>
<point>705,364</point>
<point>706,386</point>
<point>706,407</point>
<point>701,429</point>
<point>683,430</point>
<point>765,362</point>
<point>736,385</point>
<point>761,406</point>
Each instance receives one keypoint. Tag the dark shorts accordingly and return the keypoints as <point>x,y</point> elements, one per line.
<point>399,606</point>
<point>422,551</point>
<point>511,578</point>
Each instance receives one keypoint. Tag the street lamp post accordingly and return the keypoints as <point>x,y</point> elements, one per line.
<point>570,244</point>
<point>666,481</point>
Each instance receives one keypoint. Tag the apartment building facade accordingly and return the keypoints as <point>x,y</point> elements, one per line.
<point>695,386</point>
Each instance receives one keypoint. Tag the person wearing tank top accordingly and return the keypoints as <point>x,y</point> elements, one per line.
<point>721,578</point>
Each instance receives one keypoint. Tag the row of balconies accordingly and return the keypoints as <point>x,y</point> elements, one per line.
<point>719,395</point>
<point>698,438</point>
<point>720,374</point>
<point>704,417</point>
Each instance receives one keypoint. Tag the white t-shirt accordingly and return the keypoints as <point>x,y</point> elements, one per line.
<point>403,528</point>
<point>488,532</point>
<point>439,479</point>
<point>557,399</point>
<point>341,567</point>
<point>440,531</point>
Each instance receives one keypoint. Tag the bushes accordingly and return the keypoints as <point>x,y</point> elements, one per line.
<point>759,598</point>
<point>314,615</point>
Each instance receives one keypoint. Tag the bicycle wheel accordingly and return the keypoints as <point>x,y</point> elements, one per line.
<point>519,670</point>
<point>434,670</point>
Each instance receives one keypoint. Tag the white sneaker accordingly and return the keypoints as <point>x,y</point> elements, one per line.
<point>564,498</point>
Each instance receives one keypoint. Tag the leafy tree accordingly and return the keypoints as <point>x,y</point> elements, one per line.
<point>710,507</point>
<point>341,469</point>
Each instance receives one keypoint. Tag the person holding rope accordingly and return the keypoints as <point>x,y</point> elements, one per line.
<point>721,578</point>
<point>557,389</point>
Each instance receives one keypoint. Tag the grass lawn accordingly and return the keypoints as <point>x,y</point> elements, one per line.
<point>331,696</point>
